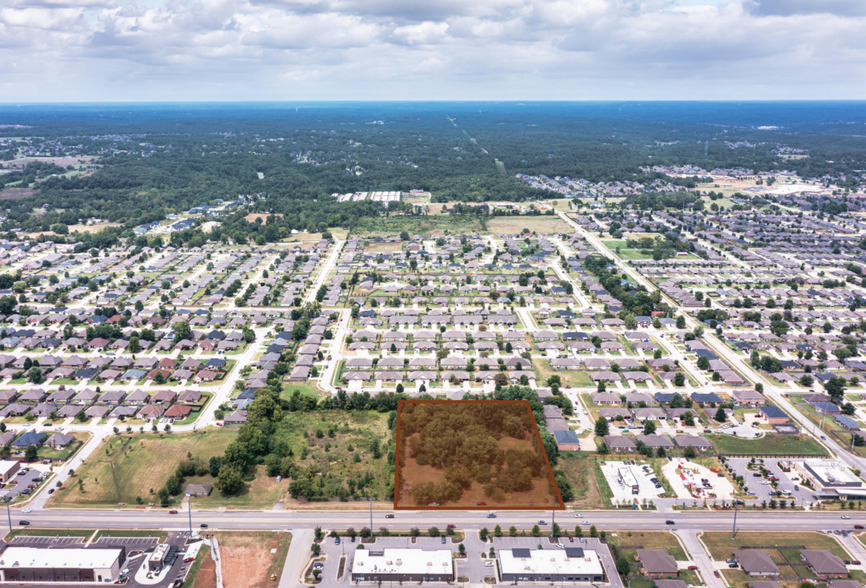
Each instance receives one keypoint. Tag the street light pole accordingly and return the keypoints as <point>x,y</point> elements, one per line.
<point>189,511</point>
<point>734,528</point>
<point>8,514</point>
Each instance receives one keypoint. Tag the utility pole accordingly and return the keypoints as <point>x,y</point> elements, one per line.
<point>553,524</point>
<point>8,514</point>
<point>734,528</point>
<point>371,518</point>
<point>189,510</point>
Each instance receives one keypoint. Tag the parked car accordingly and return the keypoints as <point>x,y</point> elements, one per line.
<point>570,539</point>
<point>443,538</point>
<point>336,540</point>
<point>693,567</point>
<point>734,565</point>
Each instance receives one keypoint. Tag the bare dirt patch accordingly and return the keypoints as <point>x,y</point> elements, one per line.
<point>206,574</point>
<point>471,455</point>
<point>536,224</point>
<point>17,193</point>
<point>247,561</point>
<point>251,218</point>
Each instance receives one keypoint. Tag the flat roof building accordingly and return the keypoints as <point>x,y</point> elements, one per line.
<point>402,565</point>
<point>8,469</point>
<point>37,564</point>
<point>571,564</point>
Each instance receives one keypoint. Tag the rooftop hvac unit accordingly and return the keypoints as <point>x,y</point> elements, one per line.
<point>399,562</point>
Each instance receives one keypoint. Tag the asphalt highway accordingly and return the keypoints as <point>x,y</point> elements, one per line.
<point>403,520</point>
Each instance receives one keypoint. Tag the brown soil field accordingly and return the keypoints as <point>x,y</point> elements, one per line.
<point>16,193</point>
<point>537,224</point>
<point>542,495</point>
<point>206,574</point>
<point>247,561</point>
<point>251,218</point>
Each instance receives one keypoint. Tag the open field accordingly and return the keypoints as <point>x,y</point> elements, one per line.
<point>508,225</point>
<point>580,474</point>
<point>92,228</point>
<point>339,234</point>
<point>126,467</point>
<point>16,193</point>
<point>423,225</point>
<point>721,546</point>
<point>247,559</point>
<point>770,444</point>
<point>634,540</point>
<point>494,451</point>
<point>262,492</point>
<point>251,218</point>
<point>329,442</point>
<point>382,247</point>
<point>202,574</point>
<point>21,163</point>
<point>570,378</point>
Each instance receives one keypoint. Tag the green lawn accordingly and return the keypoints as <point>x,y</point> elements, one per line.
<point>127,466</point>
<point>721,546</point>
<point>770,444</point>
<point>635,540</point>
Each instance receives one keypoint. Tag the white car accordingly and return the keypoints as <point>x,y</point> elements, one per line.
<point>577,515</point>
<point>846,517</point>
<point>26,510</point>
<point>584,522</point>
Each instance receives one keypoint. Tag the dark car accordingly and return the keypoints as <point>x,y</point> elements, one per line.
<point>734,565</point>
<point>336,540</point>
<point>670,522</point>
<point>570,539</point>
<point>443,539</point>
<point>858,526</point>
<point>51,491</point>
<point>716,574</point>
<point>24,523</point>
<point>491,516</point>
<point>172,512</point>
<point>389,516</point>
<point>452,526</point>
<point>203,526</point>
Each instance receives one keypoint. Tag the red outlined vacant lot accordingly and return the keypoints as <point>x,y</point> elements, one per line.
<point>471,455</point>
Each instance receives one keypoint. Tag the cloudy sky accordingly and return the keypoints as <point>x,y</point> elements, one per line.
<point>145,50</point>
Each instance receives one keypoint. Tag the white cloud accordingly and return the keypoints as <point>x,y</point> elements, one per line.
<point>436,49</point>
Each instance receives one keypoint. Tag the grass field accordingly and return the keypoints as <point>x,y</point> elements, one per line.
<point>771,444</point>
<point>570,378</point>
<point>423,225</point>
<point>509,225</point>
<point>334,456</point>
<point>721,546</point>
<point>580,472</point>
<point>249,559</point>
<point>634,540</point>
<point>128,466</point>
<point>305,388</point>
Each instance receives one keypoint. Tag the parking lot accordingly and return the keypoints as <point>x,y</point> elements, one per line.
<point>58,541</point>
<point>131,543</point>
<point>21,483</point>
<point>762,491</point>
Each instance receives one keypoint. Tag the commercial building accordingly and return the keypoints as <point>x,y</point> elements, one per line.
<point>36,564</point>
<point>402,565</point>
<point>156,561</point>
<point>830,479</point>
<point>571,564</point>
<point>8,469</point>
